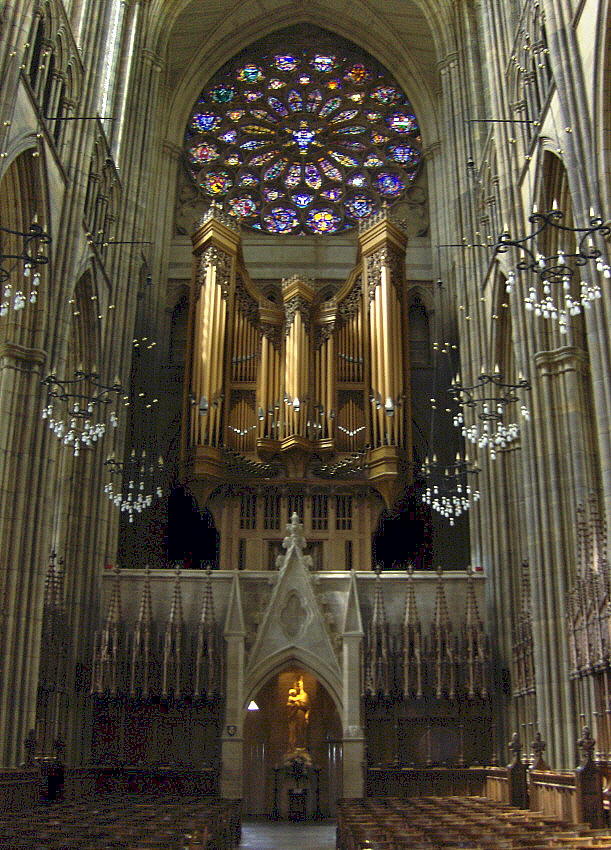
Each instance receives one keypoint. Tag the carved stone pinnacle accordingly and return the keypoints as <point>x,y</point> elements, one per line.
<point>294,536</point>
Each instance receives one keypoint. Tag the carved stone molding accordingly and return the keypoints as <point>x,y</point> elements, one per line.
<point>569,358</point>
<point>246,304</point>
<point>295,305</point>
<point>322,333</point>
<point>349,306</point>
<point>293,615</point>
<point>273,333</point>
<point>390,258</point>
<point>221,261</point>
<point>13,351</point>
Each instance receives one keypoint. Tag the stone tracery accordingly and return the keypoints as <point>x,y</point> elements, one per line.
<point>306,141</point>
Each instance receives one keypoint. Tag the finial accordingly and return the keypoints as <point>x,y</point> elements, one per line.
<point>515,748</point>
<point>538,748</point>
<point>294,534</point>
<point>586,745</point>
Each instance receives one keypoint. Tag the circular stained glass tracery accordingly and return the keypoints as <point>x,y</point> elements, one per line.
<point>304,141</point>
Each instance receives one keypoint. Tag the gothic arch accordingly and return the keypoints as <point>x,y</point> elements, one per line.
<point>23,197</point>
<point>420,317</point>
<point>277,662</point>
<point>501,352</point>
<point>382,46</point>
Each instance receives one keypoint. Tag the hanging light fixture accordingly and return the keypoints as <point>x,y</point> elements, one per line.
<point>447,487</point>
<point>563,283</point>
<point>492,400</point>
<point>134,483</point>
<point>76,408</point>
<point>32,240</point>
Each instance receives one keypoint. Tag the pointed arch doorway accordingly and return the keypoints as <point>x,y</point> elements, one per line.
<point>266,740</point>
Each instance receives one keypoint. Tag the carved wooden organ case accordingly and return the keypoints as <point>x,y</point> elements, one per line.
<point>301,404</point>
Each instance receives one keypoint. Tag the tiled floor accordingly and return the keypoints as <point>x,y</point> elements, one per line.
<point>282,835</point>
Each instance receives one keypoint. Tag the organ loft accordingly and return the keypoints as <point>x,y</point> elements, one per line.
<point>298,402</point>
<point>305,417</point>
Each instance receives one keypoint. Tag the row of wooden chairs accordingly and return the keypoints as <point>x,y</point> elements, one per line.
<point>437,823</point>
<point>124,823</point>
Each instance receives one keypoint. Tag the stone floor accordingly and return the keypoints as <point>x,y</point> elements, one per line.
<point>282,835</point>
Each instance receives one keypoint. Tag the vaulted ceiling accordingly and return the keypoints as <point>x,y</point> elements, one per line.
<point>195,38</point>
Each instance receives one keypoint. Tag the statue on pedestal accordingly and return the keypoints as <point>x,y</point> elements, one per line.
<point>298,705</point>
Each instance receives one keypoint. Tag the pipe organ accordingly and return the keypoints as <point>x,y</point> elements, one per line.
<point>304,401</point>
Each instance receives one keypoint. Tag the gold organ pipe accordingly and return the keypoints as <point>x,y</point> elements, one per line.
<point>263,385</point>
<point>287,382</point>
<point>358,347</point>
<point>299,370</point>
<point>218,361</point>
<point>330,405</point>
<point>243,351</point>
<point>373,368</point>
<point>380,349</point>
<point>213,323</point>
<point>354,353</point>
<point>241,348</point>
<point>235,349</point>
<point>378,346</point>
<point>221,366</point>
<point>303,371</point>
<point>210,322</point>
<point>301,366</point>
<point>200,355</point>
<point>391,421</point>
<point>291,357</point>
<point>400,370</point>
<point>296,384</point>
<point>255,350</point>
<point>386,366</point>
<point>210,348</point>
<point>205,352</point>
<point>326,367</point>
<point>196,379</point>
<point>238,348</point>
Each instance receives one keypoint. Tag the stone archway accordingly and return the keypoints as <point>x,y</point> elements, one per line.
<point>266,739</point>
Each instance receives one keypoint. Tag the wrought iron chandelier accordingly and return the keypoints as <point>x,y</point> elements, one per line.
<point>563,282</point>
<point>31,256</point>
<point>134,483</point>
<point>76,408</point>
<point>448,490</point>
<point>492,400</point>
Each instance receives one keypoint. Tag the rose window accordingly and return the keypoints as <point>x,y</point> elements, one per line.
<point>303,141</point>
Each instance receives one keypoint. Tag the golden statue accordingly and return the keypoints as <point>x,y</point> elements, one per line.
<point>298,705</point>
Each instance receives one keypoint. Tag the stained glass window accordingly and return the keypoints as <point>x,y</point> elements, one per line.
<point>303,141</point>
